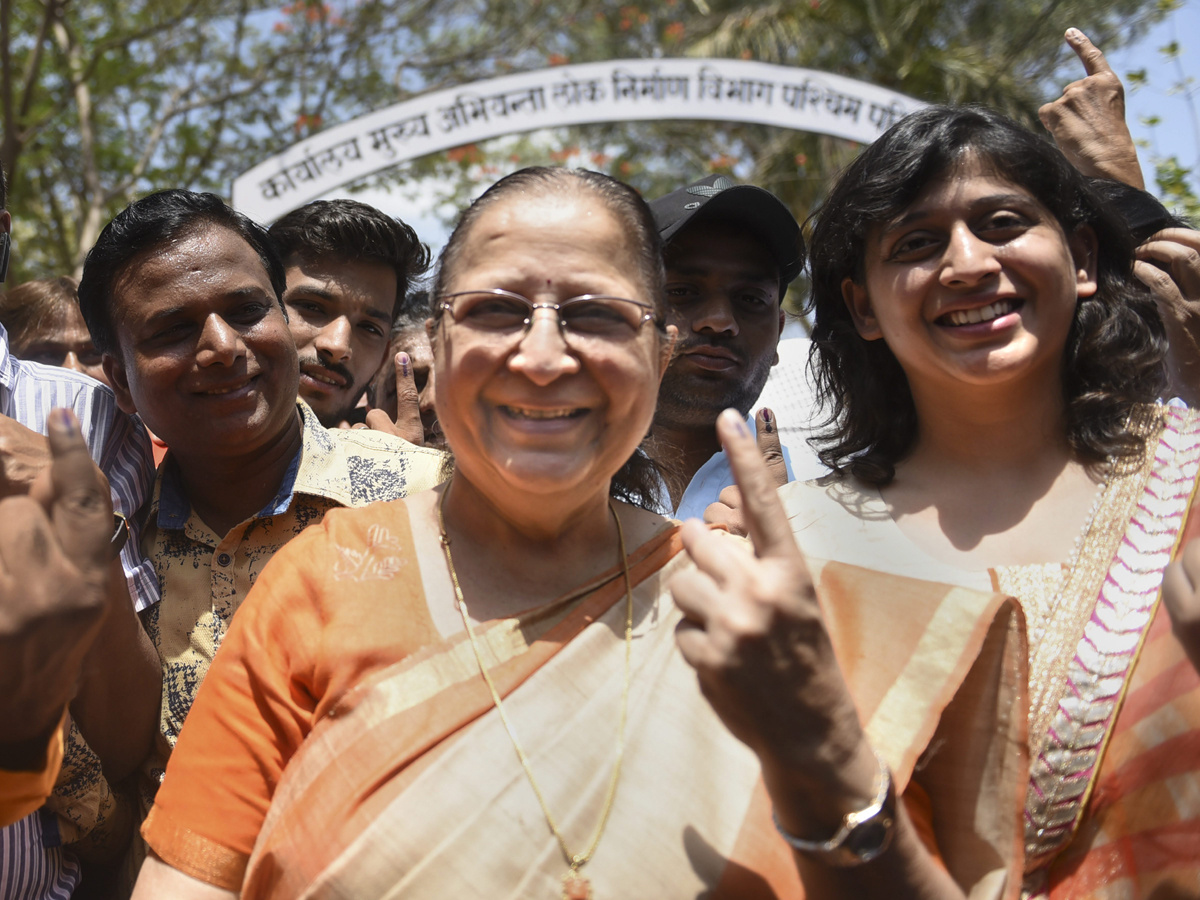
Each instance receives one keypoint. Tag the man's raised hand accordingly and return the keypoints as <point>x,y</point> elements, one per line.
<point>1088,120</point>
<point>408,406</point>
<point>54,559</point>
<point>727,510</point>
<point>23,454</point>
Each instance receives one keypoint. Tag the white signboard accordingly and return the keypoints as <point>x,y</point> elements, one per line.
<point>727,90</point>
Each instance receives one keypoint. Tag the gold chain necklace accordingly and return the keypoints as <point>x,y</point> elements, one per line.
<point>575,886</point>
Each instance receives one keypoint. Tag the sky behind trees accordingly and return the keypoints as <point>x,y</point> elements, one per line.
<point>106,100</point>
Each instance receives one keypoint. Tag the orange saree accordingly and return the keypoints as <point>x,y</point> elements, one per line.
<point>342,747</point>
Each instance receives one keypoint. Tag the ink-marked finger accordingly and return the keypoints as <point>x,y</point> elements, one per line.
<point>766,521</point>
<point>769,445</point>
<point>408,402</point>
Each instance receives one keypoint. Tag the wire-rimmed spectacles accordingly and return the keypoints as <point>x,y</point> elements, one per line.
<point>504,313</point>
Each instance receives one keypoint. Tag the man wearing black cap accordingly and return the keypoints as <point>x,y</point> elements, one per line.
<point>731,251</point>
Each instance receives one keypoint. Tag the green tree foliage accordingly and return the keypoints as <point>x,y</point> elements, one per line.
<point>1009,54</point>
<point>105,100</point>
<point>1178,185</point>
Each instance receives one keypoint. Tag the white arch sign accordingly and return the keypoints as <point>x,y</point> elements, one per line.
<point>726,90</point>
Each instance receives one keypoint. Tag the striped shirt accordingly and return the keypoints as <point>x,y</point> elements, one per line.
<point>32,864</point>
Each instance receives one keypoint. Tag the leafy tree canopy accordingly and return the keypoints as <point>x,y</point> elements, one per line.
<point>106,100</point>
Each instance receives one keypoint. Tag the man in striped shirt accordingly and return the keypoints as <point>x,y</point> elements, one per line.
<point>120,682</point>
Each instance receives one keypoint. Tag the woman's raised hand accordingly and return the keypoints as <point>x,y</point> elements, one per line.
<point>727,510</point>
<point>754,632</point>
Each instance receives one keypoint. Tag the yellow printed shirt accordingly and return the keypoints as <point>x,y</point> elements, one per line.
<point>204,577</point>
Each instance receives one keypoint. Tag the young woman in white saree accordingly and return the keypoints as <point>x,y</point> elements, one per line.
<point>993,370</point>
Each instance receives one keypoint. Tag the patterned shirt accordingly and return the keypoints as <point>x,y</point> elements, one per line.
<point>33,864</point>
<point>204,577</point>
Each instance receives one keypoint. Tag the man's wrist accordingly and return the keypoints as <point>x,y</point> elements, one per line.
<point>1123,167</point>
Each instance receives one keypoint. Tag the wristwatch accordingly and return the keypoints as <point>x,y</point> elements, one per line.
<point>864,834</point>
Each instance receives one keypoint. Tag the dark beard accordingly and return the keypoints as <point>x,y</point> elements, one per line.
<point>332,420</point>
<point>682,405</point>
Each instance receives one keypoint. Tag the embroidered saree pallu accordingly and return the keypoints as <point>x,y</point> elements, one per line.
<point>1113,809</point>
<point>378,767</point>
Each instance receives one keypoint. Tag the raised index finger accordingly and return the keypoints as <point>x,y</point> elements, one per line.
<point>408,402</point>
<point>1089,54</point>
<point>770,447</point>
<point>765,518</point>
<point>81,506</point>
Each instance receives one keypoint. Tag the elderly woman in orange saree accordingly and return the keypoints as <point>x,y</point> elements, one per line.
<point>490,689</point>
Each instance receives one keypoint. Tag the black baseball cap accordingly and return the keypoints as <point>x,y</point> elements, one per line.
<point>719,197</point>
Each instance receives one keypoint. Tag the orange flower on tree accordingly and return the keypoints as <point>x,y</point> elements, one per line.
<point>307,122</point>
<point>467,153</point>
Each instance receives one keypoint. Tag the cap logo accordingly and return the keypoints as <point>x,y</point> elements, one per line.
<point>704,190</point>
<point>695,205</point>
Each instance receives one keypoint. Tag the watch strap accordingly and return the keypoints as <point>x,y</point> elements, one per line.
<point>864,834</point>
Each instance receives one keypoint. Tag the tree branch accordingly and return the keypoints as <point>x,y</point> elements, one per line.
<point>35,60</point>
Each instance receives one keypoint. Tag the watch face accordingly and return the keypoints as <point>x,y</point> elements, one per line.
<point>870,839</point>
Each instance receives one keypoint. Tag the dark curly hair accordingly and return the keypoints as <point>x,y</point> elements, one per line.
<point>1114,357</point>
<point>350,231</point>
<point>640,479</point>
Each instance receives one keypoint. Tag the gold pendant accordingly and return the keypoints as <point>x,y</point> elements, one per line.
<point>576,887</point>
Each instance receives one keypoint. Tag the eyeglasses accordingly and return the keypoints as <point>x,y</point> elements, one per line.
<point>503,313</point>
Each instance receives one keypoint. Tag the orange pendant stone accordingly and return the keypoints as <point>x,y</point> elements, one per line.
<point>576,887</point>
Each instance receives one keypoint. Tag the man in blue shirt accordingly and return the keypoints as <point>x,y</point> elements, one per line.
<point>731,251</point>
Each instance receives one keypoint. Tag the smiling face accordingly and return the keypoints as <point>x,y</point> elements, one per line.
<point>205,355</point>
<point>975,283</point>
<point>723,295</point>
<point>340,313</point>
<point>539,414</point>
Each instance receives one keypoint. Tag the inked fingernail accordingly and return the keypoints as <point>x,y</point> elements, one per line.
<point>60,419</point>
<point>768,421</point>
<point>1074,33</point>
<point>738,423</point>
<point>402,362</point>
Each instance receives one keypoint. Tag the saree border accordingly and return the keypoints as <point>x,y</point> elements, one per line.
<point>1095,677</point>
